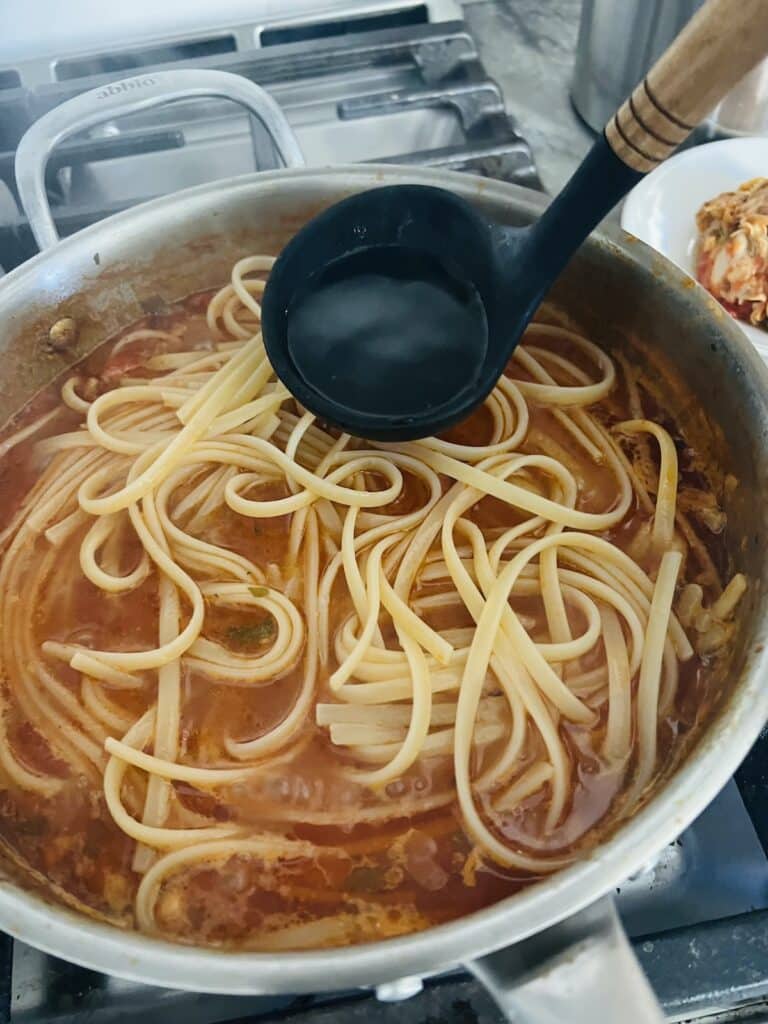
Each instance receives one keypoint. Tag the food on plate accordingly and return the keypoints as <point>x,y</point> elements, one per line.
<point>268,686</point>
<point>732,250</point>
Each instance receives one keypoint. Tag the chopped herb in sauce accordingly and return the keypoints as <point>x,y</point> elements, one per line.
<point>259,591</point>
<point>251,633</point>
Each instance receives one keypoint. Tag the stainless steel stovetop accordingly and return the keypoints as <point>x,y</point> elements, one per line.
<point>393,80</point>
<point>390,81</point>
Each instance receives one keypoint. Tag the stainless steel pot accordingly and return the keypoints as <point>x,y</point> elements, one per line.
<point>556,951</point>
<point>619,40</point>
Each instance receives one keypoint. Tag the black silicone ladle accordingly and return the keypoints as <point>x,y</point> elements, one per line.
<point>393,313</point>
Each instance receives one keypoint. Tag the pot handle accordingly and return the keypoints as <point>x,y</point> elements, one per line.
<point>582,970</point>
<point>129,96</point>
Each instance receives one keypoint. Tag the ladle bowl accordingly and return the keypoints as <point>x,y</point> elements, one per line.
<point>393,314</point>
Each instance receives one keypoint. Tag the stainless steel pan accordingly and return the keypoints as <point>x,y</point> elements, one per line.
<point>555,952</point>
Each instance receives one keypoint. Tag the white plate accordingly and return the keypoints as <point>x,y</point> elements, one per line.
<point>661,209</point>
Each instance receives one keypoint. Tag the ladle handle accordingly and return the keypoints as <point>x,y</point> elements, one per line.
<point>722,42</point>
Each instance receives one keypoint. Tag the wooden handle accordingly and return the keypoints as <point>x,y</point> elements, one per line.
<point>718,46</point>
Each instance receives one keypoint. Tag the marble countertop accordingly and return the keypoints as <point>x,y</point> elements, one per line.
<point>529,46</point>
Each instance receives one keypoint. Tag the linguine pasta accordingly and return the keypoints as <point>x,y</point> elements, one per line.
<point>349,677</point>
